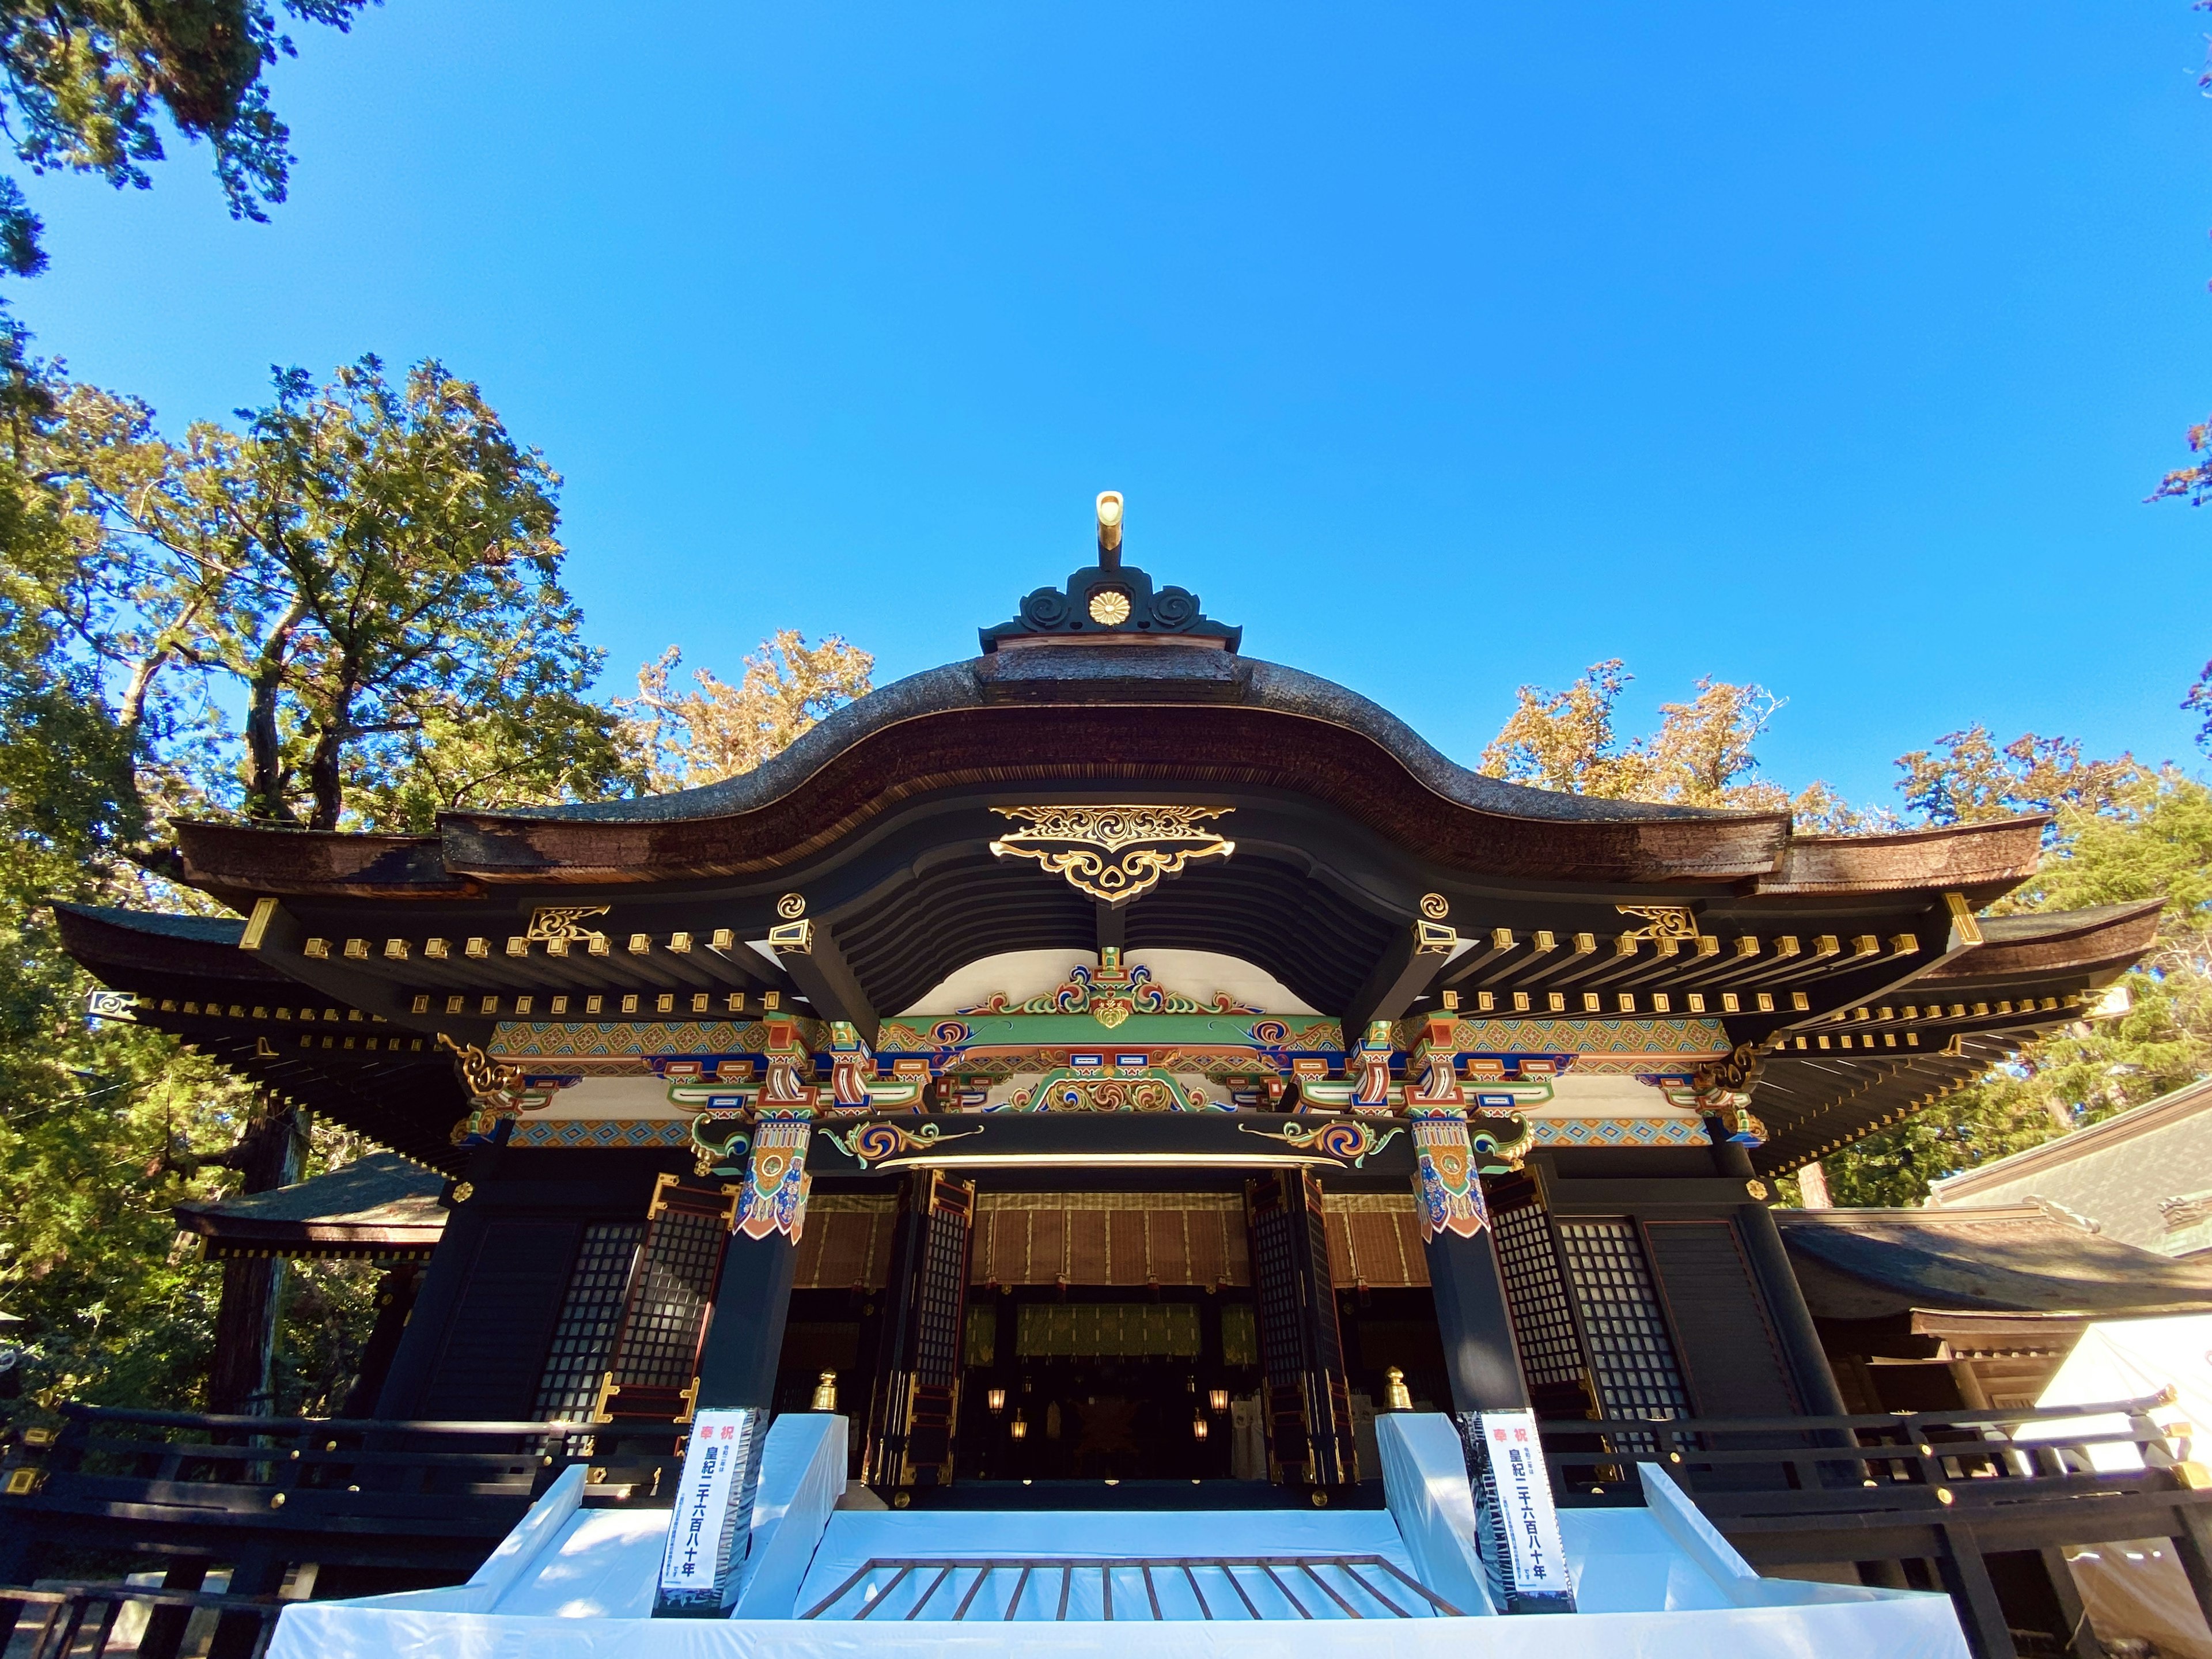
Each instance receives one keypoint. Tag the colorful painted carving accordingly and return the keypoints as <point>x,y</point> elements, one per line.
<point>1109,994</point>
<point>854,1086</point>
<point>1099,1087</point>
<point>1347,1140</point>
<point>1445,1184</point>
<point>872,1142</point>
<point>774,1199</point>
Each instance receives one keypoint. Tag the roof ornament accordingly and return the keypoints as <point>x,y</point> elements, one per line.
<point>1111,601</point>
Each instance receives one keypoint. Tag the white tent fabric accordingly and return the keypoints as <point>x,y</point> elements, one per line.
<point>2128,1359</point>
<point>2136,1589</point>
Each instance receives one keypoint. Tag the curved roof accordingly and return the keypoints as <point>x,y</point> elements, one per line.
<point>1075,718</point>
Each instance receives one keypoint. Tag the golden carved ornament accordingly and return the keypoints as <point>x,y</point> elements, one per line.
<point>1661,920</point>
<point>490,1085</point>
<point>1108,606</point>
<point>1115,854</point>
<point>564,922</point>
<point>1435,906</point>
<point>791,905</point>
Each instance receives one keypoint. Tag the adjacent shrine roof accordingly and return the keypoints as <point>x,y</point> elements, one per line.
<point>379,1205</point>
<point>2019,1258</point>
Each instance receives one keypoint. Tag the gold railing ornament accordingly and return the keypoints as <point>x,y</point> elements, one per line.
<point>825,1393</point>
<point>1115,854</point>
<point>1396,1397</point>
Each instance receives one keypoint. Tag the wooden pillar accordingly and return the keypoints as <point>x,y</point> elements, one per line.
<point>395,1301</point>
<point>257,1571</point>
<point>1786,1298</point>
<point>1472,1319</point>
<point>238,1375</point>
<point>2081,1641</point>
<point>439,1291</point>
<point>1974,1594</point>
<point>744,1334</point>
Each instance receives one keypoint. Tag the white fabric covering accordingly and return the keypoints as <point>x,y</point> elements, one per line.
<point>1654,1584</point>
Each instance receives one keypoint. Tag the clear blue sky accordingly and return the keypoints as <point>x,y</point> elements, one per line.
<point>1443,346</point>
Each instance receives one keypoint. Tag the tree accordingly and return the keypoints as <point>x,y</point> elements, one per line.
<point>1702,755</point>
<point>372,572</point>
<point>2147,836</point>
<point>721,730</point>
<point>83,84</point>
<point>1967,778</point>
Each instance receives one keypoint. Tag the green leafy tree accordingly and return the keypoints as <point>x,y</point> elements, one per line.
<point>2146,835</point>
<point>84,85</point>
<point>372,572</point>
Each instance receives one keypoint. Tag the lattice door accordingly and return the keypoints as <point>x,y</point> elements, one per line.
<point>1631,1353</point>
<point>915,1405</point>
<point>653,1374</point>
<point>1554,1363</point>
<point>598,1286</point>
<point>1307,1396</point>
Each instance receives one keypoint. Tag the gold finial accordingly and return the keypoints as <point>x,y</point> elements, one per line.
<point>825,1393</point>
<point>1396,1397</point>
<point>1109,528</point>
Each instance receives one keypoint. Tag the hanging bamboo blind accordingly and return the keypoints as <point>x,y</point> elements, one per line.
<point>1111,1238</point>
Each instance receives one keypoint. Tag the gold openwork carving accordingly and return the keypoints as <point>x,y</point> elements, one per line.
<point>564,922</point>
<point>1435,906</point>
<point>1661,920</point>
<point>1113,852</point>
<point>791,905</point>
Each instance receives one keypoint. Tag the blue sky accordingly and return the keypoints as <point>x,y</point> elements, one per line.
<point>1445,347</point>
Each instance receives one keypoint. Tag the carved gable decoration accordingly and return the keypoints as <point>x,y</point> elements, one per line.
<point>1115,854</point>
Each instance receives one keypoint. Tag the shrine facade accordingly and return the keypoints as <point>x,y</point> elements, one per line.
<point>1109,1058</point>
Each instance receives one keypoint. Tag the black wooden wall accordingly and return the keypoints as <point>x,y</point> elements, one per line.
<point>476,1347</point>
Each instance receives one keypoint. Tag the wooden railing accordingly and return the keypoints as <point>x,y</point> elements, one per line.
<point>1917,1499</point>
<point>387,1503</point>
<point>1845,1463</point>
<point>80,1621</point>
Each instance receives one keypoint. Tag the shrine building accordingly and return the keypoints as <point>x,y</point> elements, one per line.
<point>1112,1057</point>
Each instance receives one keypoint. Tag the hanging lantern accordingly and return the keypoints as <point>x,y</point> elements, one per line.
<point>996,1400</point>
<point>1217,1400</point>
<point>1198,1428</point>
<point>1019,1429</point>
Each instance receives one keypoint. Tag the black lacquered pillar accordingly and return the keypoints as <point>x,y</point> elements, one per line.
<point>1472,1319</point>
<point>752,1299</point>
<point>745,1334</point>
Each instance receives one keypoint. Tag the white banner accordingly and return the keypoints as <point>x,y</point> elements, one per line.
<point>713,1502</point>
<point>1525,1515</point>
